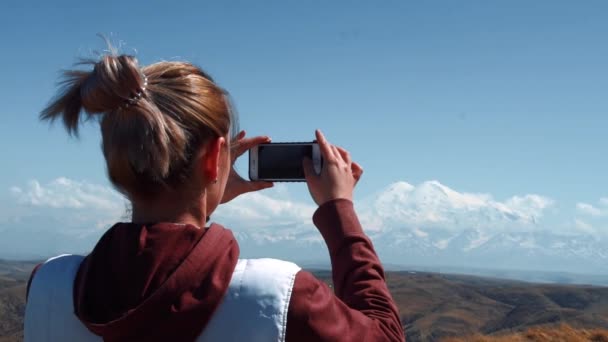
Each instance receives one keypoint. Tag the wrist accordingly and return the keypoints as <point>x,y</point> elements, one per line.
<point>335,220</point>
<point>332,199</point>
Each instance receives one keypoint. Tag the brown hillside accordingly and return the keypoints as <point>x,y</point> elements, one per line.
<point>12,309</point>
<point>562,333</point>
<point>434,307</point>
<point>13,277</point>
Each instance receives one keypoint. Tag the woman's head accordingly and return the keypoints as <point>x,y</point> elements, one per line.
<point>160,124</point>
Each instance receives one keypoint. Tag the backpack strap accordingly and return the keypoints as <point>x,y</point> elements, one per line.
<point>255,306</point>
<point>49,314</point>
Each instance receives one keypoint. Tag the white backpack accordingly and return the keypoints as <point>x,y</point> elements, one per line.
<point>254,307</point>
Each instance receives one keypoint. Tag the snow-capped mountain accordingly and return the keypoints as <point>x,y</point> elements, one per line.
<point>433,225</point>
<point>471,248</point>
<point>428,224</point>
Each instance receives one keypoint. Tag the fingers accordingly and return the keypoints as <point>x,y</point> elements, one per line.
<point>357,171</point>
<point>235,141</point>
<point>335,151</point>
<point>307,167</point>
<point>344,154</point>
<point>255,186</point>
<point>245,144</point>
<point>310,174</point>
<point>324,146</point>
<point>237,186</point>
<point>248,143</point>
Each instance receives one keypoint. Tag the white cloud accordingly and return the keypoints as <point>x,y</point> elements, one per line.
<point>59,216</point>
<point>588,209</point>
<point>584,227</point>
<point>592,218</point>
<point>79,207</point>
<point>529,208</point>
<point>442,244</point>
<point>269,207</point>
<point>591,210</point>
<point>273,215</point>
<point>433,205</point>
<point>265,214</point>
<point>420,233</point>
<point>269,216</point>
<point>64,193</point>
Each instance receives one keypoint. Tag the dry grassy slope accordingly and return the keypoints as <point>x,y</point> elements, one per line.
<point>560,333</point>
<point>13,277</point>
<point>432,306</point>
<point>435,306</point>
<point>12,308</point>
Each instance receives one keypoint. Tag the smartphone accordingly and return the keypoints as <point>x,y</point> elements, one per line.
<point>282,162</point>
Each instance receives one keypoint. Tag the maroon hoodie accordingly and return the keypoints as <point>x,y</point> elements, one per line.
<point>163,281</point>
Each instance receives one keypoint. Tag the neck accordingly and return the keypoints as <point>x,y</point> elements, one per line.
<point>171,209</point>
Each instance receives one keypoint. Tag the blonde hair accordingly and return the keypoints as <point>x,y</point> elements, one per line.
<point>149,142</point>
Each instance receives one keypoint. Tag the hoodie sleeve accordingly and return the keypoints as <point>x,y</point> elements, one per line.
<point>361,307</point>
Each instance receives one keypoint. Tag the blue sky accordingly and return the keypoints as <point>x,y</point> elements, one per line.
<point>505,98</point>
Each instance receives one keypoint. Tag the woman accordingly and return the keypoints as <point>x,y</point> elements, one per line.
<point>166,131</point>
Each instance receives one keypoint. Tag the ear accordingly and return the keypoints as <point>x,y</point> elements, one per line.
<point>210,162</point>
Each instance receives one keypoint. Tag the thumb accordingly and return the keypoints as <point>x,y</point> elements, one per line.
<point>309,171</point>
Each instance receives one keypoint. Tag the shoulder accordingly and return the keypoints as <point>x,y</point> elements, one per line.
<point>55,268</point>
<point>264,273</point>
<point>258,298</point>
<point>307,290</point>
<point>267,265</point>
<point>62,262</point>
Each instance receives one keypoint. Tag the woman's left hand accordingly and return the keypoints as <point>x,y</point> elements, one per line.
<point>236,185</point>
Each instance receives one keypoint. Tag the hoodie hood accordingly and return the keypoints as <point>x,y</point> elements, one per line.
<point>159,282</point>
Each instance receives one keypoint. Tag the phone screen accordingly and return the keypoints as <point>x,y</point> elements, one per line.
<point>282,161</point>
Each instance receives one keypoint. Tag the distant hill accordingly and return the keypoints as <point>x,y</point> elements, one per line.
<point>13,279</point>
<point>433,306</point>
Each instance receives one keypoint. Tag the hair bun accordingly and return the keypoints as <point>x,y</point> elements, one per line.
<point>112,83</point>
<point>150,139</point>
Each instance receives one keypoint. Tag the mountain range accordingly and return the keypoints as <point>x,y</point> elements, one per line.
<point>433,226</point>
<point>425,226</point>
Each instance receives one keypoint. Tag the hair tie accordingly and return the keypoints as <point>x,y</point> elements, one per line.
<point>138,95</point>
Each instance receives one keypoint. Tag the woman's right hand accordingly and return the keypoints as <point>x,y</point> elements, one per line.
<point>339,173</point>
